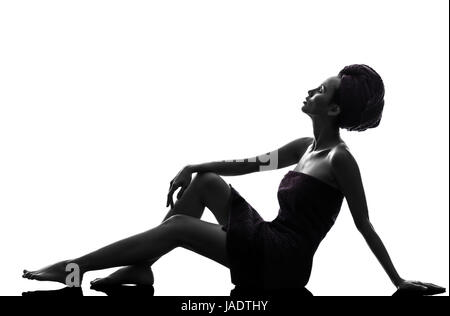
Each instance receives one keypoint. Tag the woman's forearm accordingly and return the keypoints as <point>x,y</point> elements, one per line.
<point>379,250</point>
<point>233,167</point>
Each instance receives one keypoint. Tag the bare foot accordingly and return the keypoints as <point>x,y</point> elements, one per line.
<point>55,272</point>
<point>135,275</point>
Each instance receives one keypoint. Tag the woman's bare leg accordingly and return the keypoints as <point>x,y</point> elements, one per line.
<point>206,190</point>
<point>206,239</point>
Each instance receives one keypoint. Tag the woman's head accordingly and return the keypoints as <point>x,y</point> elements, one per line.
<point>354,98</point>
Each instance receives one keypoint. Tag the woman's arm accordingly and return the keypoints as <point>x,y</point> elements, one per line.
<point>284,156</point>
<point>348,176</point>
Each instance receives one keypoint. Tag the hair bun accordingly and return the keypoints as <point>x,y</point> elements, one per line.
<point>361,97</point>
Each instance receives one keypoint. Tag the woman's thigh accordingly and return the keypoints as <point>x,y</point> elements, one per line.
<point>204,238</point>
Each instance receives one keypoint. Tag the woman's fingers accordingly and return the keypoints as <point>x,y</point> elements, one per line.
<point>180,194</point>
<point>177,182</point>
<point>172,189</point>
<point>169,196</point>
<point>428,284</point>
<point>428,288</point>
<point>420,285</point>
<point>432,289</point>
<point>170,199</point>
<point>416,288</point>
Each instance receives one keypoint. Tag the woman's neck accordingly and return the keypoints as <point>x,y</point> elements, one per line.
<point>326,135</point>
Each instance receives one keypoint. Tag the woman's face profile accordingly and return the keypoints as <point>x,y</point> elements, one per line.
<point>318,100</point>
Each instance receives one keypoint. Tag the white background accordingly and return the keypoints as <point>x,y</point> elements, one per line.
<point>102,102</point>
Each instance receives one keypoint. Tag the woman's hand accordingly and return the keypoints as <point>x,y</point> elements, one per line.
<point>182,179</point>
<point>416,288</point>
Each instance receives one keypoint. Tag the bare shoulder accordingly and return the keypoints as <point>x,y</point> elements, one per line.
<point>344,167</point>
<point>341,150</point>
<point>341,157</point>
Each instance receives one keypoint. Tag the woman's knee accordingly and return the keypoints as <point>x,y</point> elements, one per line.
<point>206,179</point>
<point>192,202</point>
<point>208,183</point>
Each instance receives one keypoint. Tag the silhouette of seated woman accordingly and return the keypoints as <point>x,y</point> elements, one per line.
<point>263,255</point>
